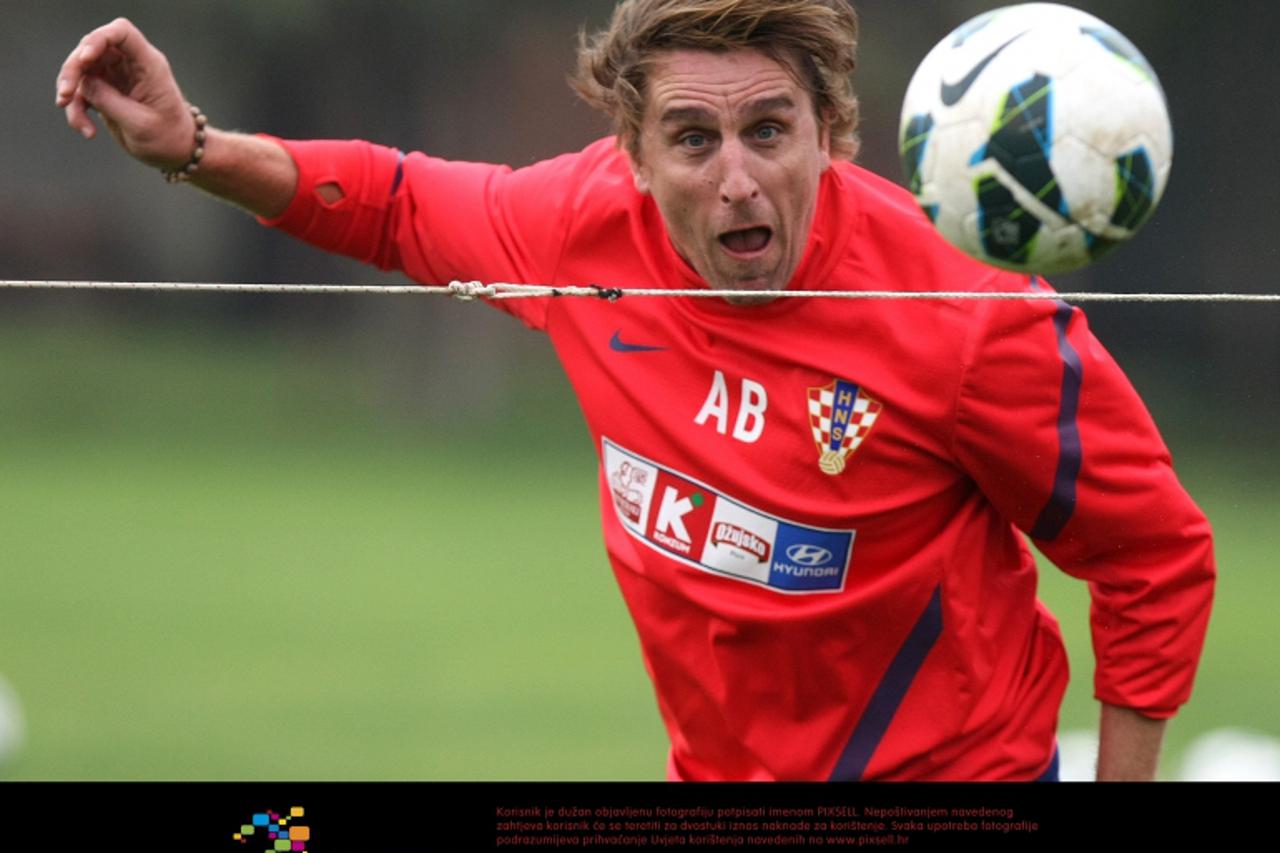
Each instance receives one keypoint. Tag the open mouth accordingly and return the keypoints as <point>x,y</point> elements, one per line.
<point>746,241</point>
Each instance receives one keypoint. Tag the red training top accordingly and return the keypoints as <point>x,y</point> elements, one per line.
<point>812,506</point>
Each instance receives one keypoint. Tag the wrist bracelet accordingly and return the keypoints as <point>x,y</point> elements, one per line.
<point>183,173</point>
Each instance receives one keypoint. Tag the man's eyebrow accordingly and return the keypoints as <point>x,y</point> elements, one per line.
<point>776,104</point>
<point>686,115</point>
<point>701,115</point>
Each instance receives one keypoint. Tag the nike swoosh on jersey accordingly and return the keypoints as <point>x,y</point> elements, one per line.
<point>953,92</point>
<point>618,345</point>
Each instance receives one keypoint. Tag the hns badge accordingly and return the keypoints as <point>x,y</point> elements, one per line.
<point>841,416</point>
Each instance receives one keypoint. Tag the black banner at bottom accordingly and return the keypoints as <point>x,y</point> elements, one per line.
<point>408,817</point>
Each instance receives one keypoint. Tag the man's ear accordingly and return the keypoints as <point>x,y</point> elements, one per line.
<point>639,171</point>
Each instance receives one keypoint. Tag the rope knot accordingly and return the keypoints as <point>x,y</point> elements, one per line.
<point>466,291</point>
<point>611,294</point>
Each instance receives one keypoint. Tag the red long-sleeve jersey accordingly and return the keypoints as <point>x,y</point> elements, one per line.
<point>812,507</point>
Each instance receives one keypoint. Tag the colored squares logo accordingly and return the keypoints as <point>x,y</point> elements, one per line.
<point>271,832</point>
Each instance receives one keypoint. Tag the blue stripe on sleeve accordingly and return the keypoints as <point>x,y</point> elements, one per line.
<point>1062,501</point>
<point>395,183</point>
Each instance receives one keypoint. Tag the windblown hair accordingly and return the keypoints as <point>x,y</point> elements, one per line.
<point>818,39</point>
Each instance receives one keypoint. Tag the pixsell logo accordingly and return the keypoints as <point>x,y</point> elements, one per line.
<point>271,832</point>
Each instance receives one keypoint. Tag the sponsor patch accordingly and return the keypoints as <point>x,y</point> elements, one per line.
<point>841,415</point>
<point>690,522</point>
<point>730,534</point>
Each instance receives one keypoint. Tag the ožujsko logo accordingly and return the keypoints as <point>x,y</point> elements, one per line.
<point>841,415</point>
<point>278,832</point>
<point>731,534</point>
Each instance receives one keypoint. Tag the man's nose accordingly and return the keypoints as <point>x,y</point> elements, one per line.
<point>737,184</point>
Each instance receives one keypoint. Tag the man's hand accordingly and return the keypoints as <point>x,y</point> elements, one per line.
<point>117,72</point>
<point>1128,745</point>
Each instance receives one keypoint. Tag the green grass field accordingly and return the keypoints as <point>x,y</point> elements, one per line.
<point>222,563</point>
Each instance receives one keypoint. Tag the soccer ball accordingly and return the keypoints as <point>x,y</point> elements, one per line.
<point>1036,138</point>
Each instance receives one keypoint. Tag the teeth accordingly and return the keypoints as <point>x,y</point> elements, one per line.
<point>747,240</point>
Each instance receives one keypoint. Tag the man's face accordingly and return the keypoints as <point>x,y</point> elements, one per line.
<point>732,152</point>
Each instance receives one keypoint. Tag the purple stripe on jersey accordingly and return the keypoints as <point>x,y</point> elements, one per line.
<point>890,692</point>
<point>1062,502</point>
<point>395,183</point>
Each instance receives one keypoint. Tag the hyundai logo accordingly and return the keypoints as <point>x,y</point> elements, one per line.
<point>809,555</point>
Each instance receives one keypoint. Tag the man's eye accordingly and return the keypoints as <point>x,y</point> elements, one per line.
<point>694,140</point>
<point>767,133</point>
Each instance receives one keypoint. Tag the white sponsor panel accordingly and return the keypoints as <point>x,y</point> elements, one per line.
<point>631,483</point>
<point>740,542</point>
<point>690,522</point>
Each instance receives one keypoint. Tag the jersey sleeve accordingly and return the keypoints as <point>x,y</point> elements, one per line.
<point>436,220</point>
<point>1055,436</point>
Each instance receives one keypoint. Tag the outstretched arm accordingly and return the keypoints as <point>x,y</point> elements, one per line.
<point>117,72</point>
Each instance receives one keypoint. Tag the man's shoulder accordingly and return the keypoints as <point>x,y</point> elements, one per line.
<point>894,235</point>
<point>876,192</point>
<point>590,184</point>
<point>602,165</point>
<point>886,211</point>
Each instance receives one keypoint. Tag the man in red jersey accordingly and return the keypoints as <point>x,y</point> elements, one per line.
<point>811,506</point>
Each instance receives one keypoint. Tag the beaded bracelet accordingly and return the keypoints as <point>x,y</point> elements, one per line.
<point>183,173</point>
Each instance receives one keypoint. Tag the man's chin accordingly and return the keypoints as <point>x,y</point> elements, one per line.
<point>764,298</point>
<point>765,290</point>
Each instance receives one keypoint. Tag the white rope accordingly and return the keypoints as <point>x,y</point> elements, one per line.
<point>469,290</point>
<point>222,287</point>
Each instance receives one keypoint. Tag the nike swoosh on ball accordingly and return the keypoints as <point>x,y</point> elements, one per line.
<point>953,92</point>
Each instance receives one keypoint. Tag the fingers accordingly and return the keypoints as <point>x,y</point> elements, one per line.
<point>78,117</point>
<point>111,103</point>
<point>89,50</point>
<point>118,38</point>
<point>68,95</point>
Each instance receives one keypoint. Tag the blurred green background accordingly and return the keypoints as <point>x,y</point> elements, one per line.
<point>339,537</point>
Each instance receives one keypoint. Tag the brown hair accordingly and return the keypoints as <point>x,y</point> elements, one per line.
<point>816,38</point>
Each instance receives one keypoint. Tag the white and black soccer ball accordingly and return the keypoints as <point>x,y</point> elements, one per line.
<point>1036,137</point>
